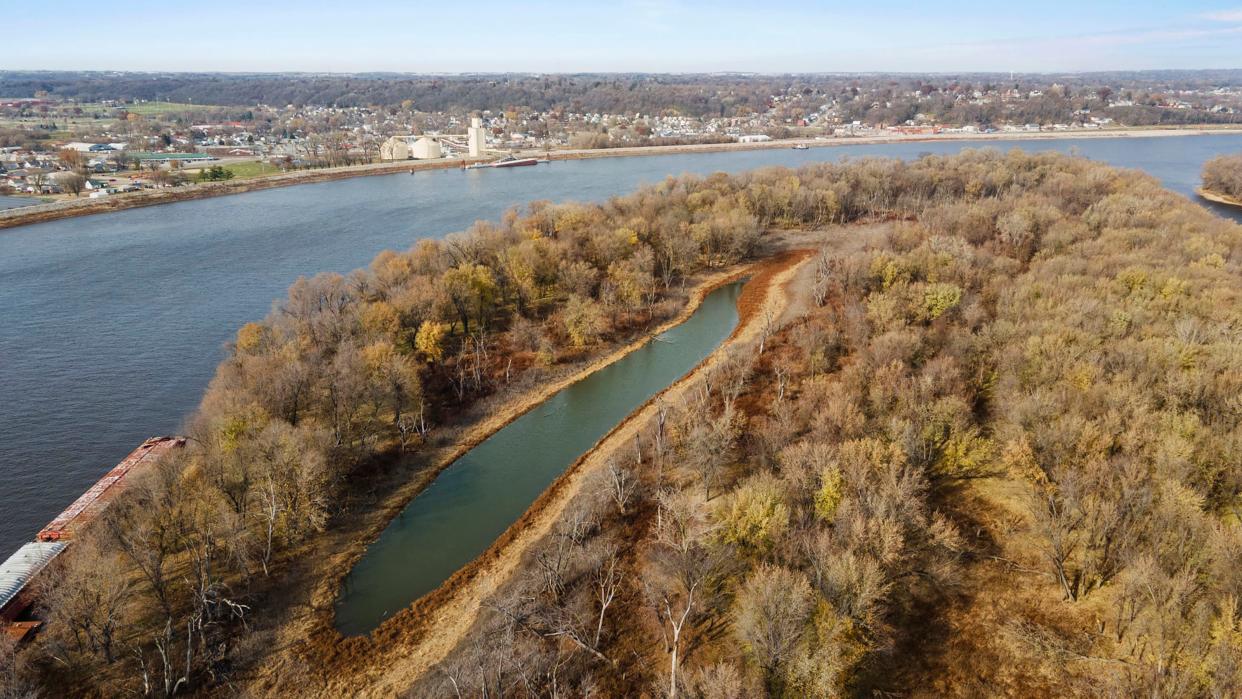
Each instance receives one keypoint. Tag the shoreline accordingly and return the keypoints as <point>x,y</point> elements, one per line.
<point>44,212</point>
<point>314,637</point>
<point>1217,197</point>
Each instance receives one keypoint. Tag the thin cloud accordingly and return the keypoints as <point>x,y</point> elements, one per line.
<point>1224,15</point>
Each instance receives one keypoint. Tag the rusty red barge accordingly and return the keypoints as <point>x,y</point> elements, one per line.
<point>19,572</point>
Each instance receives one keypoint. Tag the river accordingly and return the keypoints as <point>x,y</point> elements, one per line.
<point>111,325</point>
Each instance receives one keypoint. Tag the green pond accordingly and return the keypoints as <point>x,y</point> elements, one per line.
<point>473,501</point>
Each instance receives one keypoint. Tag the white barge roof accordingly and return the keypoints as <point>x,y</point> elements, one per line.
<point>16,572</point>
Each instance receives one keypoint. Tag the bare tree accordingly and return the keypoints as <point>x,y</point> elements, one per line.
<point>621,485</point>
<point>73,183</point>
<point>85,604</point>
<point>771,614</point>
<point>685,571</point>
<point>607,585</point>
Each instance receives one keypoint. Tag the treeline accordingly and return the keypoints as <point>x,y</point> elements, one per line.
<point>873,98</point>
<point>611,93</point>
<point>1223,175</point>
<point>997,455</point>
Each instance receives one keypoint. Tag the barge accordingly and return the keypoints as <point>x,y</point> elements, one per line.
<point>19,573</point>
<point>508,161</point>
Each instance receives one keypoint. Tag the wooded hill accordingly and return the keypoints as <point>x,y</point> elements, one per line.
<point>997,454</point>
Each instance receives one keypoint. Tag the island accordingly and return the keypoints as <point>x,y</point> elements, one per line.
<point>1222,180</point>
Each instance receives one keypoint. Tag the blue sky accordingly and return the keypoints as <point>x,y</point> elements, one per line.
<point>621,35</point>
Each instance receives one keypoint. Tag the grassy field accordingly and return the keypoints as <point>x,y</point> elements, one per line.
<point>244,170</point>
<point>150,108</point>
<point>142,108</point>
<point>254,169</point>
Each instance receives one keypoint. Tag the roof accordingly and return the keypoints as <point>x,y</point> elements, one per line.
<point>16,572</point>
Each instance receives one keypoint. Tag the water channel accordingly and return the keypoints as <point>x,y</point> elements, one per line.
<point>477,497</point>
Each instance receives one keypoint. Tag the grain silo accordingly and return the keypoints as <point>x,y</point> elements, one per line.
<point>395,148</point>
<point>426,148</point>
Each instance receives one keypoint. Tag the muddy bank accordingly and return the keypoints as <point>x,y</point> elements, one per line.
<point>348,665</point>
<point>1217,197</point>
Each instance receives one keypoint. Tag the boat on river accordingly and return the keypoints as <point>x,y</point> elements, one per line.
<point>507,161</point>
<point>801,146</point>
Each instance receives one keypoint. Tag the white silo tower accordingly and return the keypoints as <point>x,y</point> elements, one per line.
<point>476,137</point>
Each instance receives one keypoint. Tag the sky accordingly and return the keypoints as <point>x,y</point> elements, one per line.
<point>772,36</point>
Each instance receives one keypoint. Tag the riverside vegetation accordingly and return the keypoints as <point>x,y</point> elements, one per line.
<point>1222,175</point>
<point>995,453</point>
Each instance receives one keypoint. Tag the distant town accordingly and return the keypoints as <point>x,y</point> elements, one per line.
<point>65,136</point>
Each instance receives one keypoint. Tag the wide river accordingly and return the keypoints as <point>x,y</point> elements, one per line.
<point>111,325</point>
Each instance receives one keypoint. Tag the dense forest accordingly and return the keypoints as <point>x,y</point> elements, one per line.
<point>996,453</point>
<point>1223,175</point>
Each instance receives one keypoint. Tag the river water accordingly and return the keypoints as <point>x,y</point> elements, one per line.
<point>476,498</point>
<point>111,325</point>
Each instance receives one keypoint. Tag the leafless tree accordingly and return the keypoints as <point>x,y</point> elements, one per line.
<point>772,609</point>
<point>621,485</point>
<point>685,572</point>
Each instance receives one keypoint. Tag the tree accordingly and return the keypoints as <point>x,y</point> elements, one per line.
<point>472,290</point>
<point>429,340</point>
<point>772,610</point>
<point>73,183</point>
<point>85,608</point>
<point>72,159</point>
<point>684,575</point>
<point>13,682</point>
<point>395,385</point>
<point>754,517</point>
<point>215,173</point>
<point>583,320</point>
<point>708,445</point>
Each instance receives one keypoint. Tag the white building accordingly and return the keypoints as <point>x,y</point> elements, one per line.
<point>395,148</point>
<point>477,137</point>
<point>426,148</point>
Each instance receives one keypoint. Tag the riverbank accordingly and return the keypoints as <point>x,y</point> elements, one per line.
<point>897,138</point>
<point>403,646</point>
<point>39,213</point>
<point>1218,198</point>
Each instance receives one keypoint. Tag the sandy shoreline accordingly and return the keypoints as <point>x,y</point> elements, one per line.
<point>38,213</point>
<point>1218,197</point>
